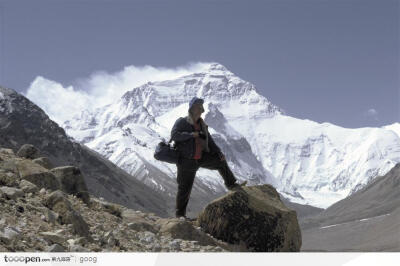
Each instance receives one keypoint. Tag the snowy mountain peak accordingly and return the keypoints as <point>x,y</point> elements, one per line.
<point>395,127</point>
<point>214,83</point>
<point>217,68</point>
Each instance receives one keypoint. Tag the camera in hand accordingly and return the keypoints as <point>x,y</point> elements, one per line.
<point>202,135</point>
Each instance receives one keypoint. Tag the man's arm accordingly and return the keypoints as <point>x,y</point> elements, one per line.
<point>178,135</point>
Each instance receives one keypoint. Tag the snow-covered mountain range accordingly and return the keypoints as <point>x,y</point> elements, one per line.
<point>308,162</point>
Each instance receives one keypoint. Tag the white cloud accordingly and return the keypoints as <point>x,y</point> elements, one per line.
<point>372,113</point>
<point>62,103</point>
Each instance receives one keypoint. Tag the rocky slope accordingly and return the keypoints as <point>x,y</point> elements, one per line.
<point>49,209</point>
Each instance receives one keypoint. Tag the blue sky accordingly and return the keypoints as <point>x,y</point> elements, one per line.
<point>331,61</point>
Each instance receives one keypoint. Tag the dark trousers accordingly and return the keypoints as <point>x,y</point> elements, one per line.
<point>187,169</point>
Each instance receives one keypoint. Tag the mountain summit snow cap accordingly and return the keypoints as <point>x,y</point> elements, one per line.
<point>195,100</point>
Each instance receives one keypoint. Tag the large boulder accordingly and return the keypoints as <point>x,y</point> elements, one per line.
<point>72,181</point>
<point>37,174</point>
<point>254,218</point>
<point>28,151</point>
<point>58,202</point>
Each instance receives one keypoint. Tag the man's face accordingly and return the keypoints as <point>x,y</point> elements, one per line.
<point>197,109</point>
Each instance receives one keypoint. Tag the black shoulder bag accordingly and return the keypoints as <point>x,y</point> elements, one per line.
<point>165,153</point>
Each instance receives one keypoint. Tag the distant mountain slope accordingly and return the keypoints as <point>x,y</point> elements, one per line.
<point>379,233</point>
<point>368,220</point>
<point>380,197</point>
<point>302,211</point>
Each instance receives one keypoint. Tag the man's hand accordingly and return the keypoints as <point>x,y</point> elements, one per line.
<point>202,135</point>
<point>221,156</point>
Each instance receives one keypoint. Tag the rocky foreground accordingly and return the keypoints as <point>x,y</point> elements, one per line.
<point>49,209</point>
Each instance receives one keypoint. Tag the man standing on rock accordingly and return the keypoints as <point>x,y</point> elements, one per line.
<point>197,149</point>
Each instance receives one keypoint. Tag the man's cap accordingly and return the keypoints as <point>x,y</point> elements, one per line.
<point>195,100</point>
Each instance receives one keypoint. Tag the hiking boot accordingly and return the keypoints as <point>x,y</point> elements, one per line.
<point>184,218</point>
<point>237,186</point>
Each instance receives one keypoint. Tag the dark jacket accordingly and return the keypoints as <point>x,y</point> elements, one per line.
<point>182,134</point>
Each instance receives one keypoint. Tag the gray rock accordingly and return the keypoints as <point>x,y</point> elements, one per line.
<point>8,178</point>
<point>28,187</point>
<point>53,237</point>
<point>156,247</point>
<point>43,161</point>
<point>58,202</point>
<point>130,215</point>
<point>61,231</point>
<point>28,151</point>
<point>147,237</point>
<point>175,245</point>
<point>11,233</point>
<point>12,192</point>
<point>71,242</point>
<point>37,174</point>
<point>72,181</point>
<point>142,226</point>
<point>9,164</point>
<point>57,197</point>
<point>78,248</point>
<point>182,229</point>
<point>253,217</point>
<point>112,242</point>
<point>109,239</point>
<point>136,221</point>
<point>7,151</point>
<point>81,241</point>
<point>55,248</point>
<point>114,209</point>
<point>4,239</point>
